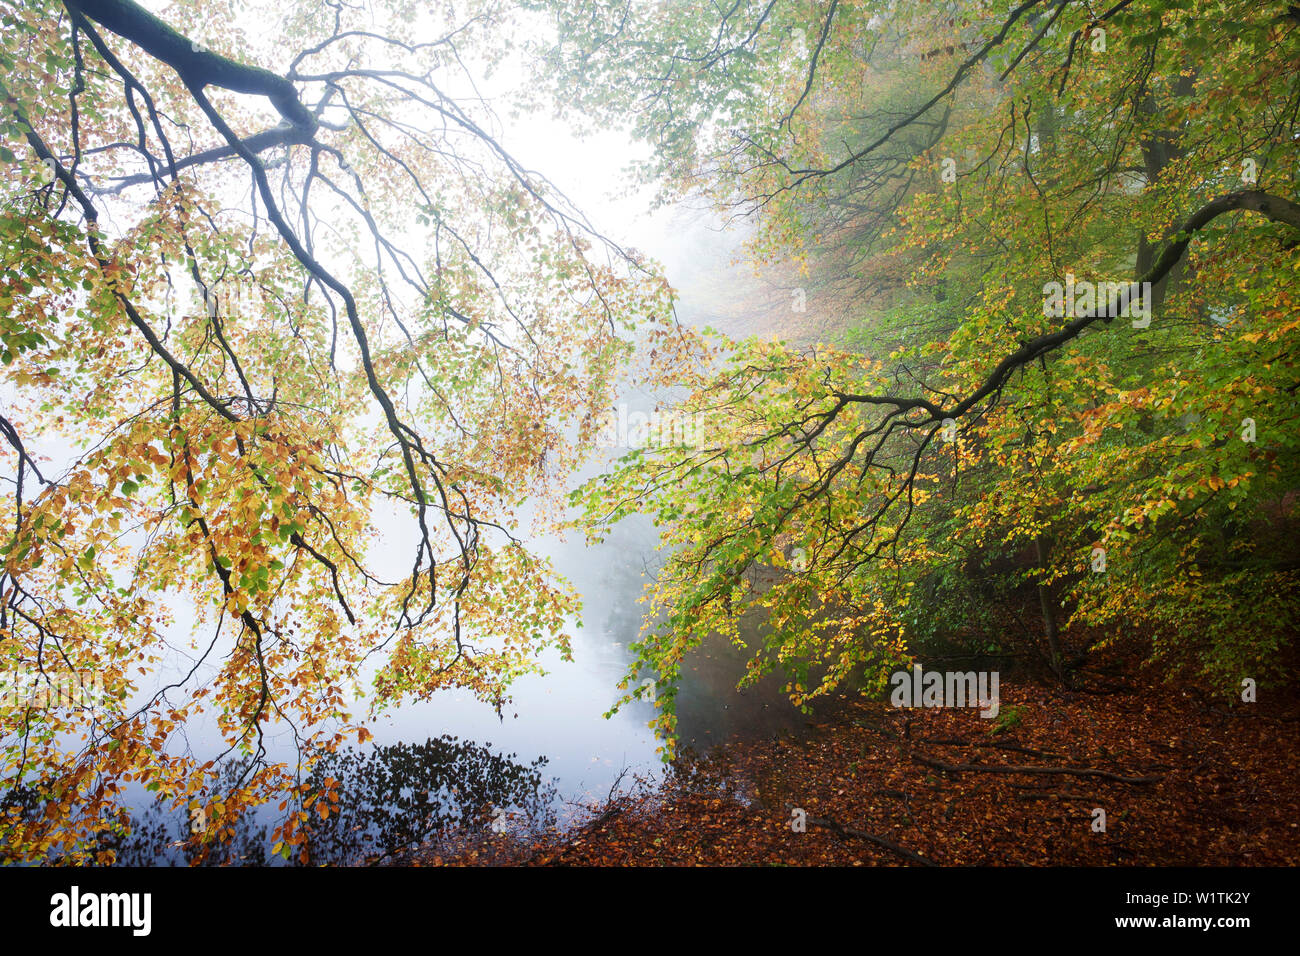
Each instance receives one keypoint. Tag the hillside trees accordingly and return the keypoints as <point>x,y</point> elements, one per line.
<point>1132,458</point>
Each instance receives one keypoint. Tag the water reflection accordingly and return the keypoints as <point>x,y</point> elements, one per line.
<point>402,798</point>
<point>392,802</point>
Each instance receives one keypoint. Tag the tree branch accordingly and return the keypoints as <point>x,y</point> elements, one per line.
<point>197,66</point>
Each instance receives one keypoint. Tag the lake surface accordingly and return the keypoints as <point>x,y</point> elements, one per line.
<point>452,764</point>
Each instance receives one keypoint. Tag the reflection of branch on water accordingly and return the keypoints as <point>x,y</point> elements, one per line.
<point>162,835</point>
<point>399,799</point>
<point>391,802</point>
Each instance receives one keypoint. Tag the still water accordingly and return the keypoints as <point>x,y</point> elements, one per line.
<point>451,767</point>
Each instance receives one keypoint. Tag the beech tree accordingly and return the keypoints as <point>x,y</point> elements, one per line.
<point>272,283</point>
<point>946,175</point>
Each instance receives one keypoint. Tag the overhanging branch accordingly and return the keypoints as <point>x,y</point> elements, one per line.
<point>1274,208</point>
<point>197,66</point>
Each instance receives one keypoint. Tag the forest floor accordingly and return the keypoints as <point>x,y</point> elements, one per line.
<point>1183,778</point>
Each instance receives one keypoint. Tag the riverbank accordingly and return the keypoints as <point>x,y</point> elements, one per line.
<point>1183,778</point>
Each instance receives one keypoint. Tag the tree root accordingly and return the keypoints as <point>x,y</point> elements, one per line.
<point>1004,768</point>
<point>890,845</point>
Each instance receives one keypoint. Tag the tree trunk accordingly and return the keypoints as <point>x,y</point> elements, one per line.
<point>1048,605</point>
